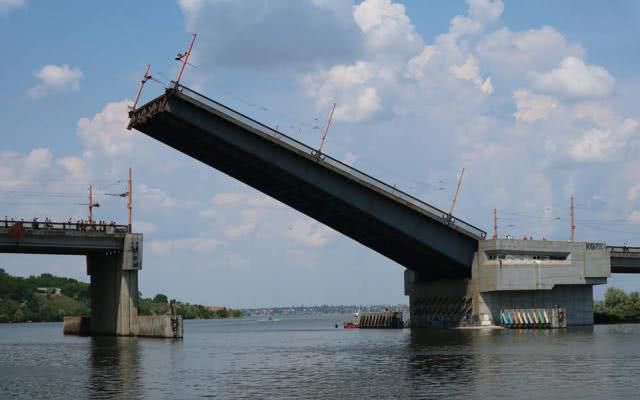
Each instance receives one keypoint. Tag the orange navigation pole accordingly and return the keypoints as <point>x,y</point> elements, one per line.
<point>495,224</point>
<point>184,57</point>
<point>455,196</point>
<point>144,80</point>
<point>90,204</point>
<point>573,225</point>
<point>326,130</point>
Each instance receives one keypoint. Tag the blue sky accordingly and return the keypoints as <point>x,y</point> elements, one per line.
<point>537,100</point>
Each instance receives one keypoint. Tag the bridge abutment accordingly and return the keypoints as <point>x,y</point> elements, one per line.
<point>521,276</point>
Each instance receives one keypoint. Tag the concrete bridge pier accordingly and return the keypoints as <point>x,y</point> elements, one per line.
<point>440,303</point>
<point>114,289</point>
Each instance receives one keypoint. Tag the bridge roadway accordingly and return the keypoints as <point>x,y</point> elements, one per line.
<point>65,238</point>
<point>399,226</point>
<point>624,259</point>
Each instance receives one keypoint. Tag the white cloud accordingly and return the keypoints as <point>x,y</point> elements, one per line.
<point>386,26</point>
<point>75,167</point>
<point>510,53</point>
<point>416,66</point>
<point>154,198</point>
<point>17,170</point>
<point>350,158</point>
<point>634,218</point>
<point>532,107</point>
<point>144,227</point>
<point>228,198</point>
<point>55,78</point>
<point>574,78</point>
<point>309,232</point>
<point>106,132</point>
<point>248,223</point>
<point>9,5</point>
<point>634,193</point>
<point>595,145</point>
<point>197,245</point>
<point>277,34</point>
<point>470,71</point>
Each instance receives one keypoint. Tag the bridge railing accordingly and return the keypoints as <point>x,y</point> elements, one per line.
<point>65,226</point>
<point>624,249</point>
<point>354,173</point>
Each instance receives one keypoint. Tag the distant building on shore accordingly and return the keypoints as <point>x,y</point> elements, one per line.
<point>53,291</point>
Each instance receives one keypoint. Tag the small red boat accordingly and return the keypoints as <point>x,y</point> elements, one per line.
<point>351,325</point>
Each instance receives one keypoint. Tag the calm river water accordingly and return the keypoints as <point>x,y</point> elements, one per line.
<point>310,358</point>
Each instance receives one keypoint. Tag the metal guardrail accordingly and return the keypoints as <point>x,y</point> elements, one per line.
<point>351,172</point>
<point>65,226</point>
<point>624,249</point>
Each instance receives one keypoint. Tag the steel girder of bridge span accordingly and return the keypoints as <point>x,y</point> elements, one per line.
<point>422,239</point>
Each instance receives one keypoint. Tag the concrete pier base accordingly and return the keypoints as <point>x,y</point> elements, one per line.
<point>439,303</point>
<point>114,288</point>
<point>77,326</point>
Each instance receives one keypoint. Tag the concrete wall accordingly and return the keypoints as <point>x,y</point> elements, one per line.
<point>160,326</point>
<point>582,264</point>
<point>576,299</point>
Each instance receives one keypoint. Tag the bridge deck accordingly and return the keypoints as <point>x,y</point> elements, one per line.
<point>625,260</point>
<point>67,238</point>
<point>372,212</point>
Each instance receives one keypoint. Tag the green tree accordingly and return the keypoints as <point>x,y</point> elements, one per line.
<point>160,298</point>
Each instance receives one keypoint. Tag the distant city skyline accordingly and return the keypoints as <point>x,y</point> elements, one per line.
<point>534,100</point>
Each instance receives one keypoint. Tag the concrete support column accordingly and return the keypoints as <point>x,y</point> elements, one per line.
<point>114,289</point>
<point>439,303</point>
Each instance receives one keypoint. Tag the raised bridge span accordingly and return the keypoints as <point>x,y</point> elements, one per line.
<point>393,223</point>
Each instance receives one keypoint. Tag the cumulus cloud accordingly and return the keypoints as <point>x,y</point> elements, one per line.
<point>532,107</point>
<point>634,218</point>
<point>197,245</point>
<point>259,34</point>
<point>248,223</point>
<point>106,132</point>
<point>9,5</point>
<point>55,78</point>
<point>574,78</point>
<point>309,233</point>
<point>18,170</point>
<point>604,144</point>
<point>510,53</point>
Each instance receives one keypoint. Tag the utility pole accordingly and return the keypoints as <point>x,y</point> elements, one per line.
<point>326,130</point>
<point>184,57</point>
<point>130,200</point>
<point>455,196</point>
<point>495,224</point>
<point>573,225</point>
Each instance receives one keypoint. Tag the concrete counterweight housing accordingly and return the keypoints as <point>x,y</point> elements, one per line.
<point>513,274</point>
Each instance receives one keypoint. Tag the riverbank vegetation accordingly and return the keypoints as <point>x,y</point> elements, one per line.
<point>617,307</point>
<point>47,298</point>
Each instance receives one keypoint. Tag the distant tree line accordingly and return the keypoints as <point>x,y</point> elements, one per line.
<point>617,307</point>
<point>159,305</point>
<point>20,301</point>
